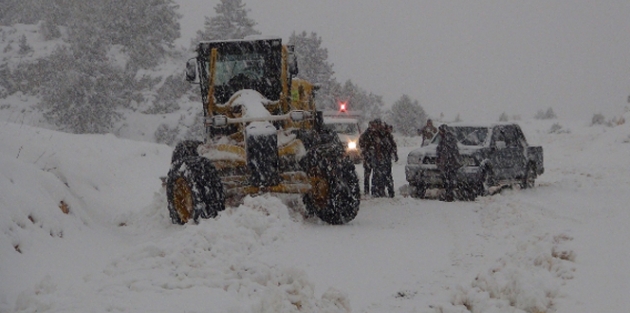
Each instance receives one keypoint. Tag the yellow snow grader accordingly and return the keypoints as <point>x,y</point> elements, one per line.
<point>263,134</point>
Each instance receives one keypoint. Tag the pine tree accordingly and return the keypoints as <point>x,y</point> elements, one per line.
<point>85,34</point>
<point>49,30</point>
<point>25,48</point>
<point>20,11</point>
<point>457,118</point>
<point>314,67</point>
<point>546,115</point>
<point>231,22</point>
<point>358,99</point>
<point>33,11</point>
<point>83,95</point>
<point>146,29</point>
<point>407,116</point>
<point>312,58</point>
<point>503,117</point>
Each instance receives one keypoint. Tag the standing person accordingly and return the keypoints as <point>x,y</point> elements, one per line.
<point>447,160</point>
<point>366,143</point>
<point>383,144</point>
<point>391,151</point>
<point>427,132</point>
<point>378,175</point>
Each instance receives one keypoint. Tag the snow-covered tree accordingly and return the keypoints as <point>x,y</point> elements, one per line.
<point>33,11</point>
<point>503,117</point>
<point>25,48</point>
<point>146,29</point>
<point>231,22</point>
<point>312,58</point>
<point>359,99</point>
<point>314,67</point>
<point>407,116</point>
<point>49,30</point>
<point>19,11</point>
<point>546,115</point>
<point>85,34</point>
<point>82,95</point>
<point>168,94</point>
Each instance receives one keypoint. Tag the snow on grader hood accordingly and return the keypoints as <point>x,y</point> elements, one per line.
<point>266,137</point>
<point>253,146</point>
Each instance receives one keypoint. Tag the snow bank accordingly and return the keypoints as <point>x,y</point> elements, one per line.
<point>526,280</point>
<point>145,263</point>
<point>195,265</point>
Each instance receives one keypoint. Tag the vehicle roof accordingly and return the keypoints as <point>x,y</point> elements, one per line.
<point>477,124</point>
<point>246,39</point>
<point>337,120</point>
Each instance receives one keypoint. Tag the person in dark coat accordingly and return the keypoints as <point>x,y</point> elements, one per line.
<point>366,144</point>
<point>391,151</point>
<point>427,132</point>
<point>384,151</point>
<point>447,160</point>
<point>379,175</point>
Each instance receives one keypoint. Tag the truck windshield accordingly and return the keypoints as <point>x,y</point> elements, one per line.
<point>249,66</point>
<point>341,128</point>
<point>467,135</point>
<point>241,64</point>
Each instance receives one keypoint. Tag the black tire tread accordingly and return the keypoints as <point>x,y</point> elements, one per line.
<point>344,195</point>
<point>205,184</point>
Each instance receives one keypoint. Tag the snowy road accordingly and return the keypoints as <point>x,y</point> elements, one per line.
<point>561,247</point>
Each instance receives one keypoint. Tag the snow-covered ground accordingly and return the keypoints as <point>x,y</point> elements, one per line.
<point>561,247</point>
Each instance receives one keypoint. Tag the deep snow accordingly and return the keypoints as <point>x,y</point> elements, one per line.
<point>561,247</point>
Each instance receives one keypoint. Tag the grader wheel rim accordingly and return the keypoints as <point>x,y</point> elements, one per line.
<point>320,190</point>
<point>182,199</point>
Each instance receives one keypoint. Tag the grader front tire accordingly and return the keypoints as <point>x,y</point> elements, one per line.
<point>335,197</point>
<point>193,190</point>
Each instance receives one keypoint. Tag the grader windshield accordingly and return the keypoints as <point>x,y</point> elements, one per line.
<point>242,64</point>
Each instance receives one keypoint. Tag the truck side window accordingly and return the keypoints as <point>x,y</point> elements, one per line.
<point>498,134</point>
<point>511,139</point>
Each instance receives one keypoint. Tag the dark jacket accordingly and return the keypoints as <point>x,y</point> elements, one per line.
<point>390,150</point>
<point>367,145</point>
<point>447,154</point>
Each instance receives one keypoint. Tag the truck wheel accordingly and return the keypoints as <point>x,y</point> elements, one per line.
<point>486,180</point>
<point>335,194</point>
<point>467,192</point>
<point>529,180</point>
<point>419,191</point>
<point>193,190</point>
<point>184,149</point>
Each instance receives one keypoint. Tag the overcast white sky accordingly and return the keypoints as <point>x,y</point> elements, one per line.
<point>474,58</point>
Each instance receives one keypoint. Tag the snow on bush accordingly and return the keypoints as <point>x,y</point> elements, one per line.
<point>556,128</point>
<point>526,280</point>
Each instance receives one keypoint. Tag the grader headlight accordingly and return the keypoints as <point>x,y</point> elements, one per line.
<point>352,145</point>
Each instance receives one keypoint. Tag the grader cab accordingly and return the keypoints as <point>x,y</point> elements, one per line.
<point>263,135</point>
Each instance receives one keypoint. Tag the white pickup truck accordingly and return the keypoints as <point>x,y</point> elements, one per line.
<point>348,131</point>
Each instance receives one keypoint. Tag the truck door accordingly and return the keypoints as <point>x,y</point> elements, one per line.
<point>509,156</point>
<point>498,153</point>
<point>510,153</point>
